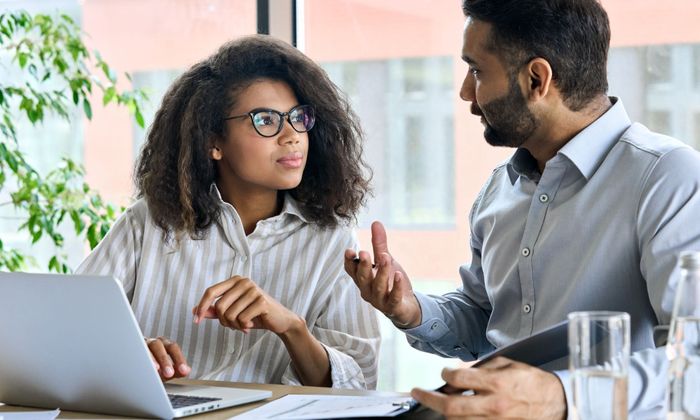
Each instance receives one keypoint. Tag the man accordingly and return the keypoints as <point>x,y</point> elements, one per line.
<point>590,213</point>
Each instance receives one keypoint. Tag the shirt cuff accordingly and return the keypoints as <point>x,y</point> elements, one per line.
<point>565,379</point>
<point>432,327</point>
<point>345,372</point>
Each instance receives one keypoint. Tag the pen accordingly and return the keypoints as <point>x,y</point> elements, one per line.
<point>357,261</point>
<point>406,405</point>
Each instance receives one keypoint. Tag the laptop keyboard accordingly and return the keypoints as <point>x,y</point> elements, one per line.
<point>179,401</point>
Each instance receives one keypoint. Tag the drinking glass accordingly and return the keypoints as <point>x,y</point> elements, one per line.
<point>599,351</point>
<point>683,348</point>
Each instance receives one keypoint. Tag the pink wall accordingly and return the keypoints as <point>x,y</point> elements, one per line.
<point>139,35</point>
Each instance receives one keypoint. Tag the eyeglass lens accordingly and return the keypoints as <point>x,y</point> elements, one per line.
<point>269,122</point>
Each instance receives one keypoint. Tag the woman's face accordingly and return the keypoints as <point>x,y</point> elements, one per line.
<point>249,162</point>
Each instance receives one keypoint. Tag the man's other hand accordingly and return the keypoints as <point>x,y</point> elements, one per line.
<point>503,389</point>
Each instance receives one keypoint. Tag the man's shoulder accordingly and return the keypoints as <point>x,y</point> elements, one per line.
<point>661,155</point>
<point>653,143</point>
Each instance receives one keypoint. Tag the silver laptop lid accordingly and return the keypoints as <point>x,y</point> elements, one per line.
<point>72,342</point>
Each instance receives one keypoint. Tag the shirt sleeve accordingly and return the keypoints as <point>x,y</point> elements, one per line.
<point>454,324</point>
<point>667,224</point>
<point>348,329</point>
<point>116,254</point>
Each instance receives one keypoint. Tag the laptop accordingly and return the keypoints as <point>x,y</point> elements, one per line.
<point>72,342</point>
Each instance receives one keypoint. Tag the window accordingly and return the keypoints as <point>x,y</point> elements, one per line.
<point>695,66</point>
<point>659,121</point>
<point>659,87</point>
<point>155,83</point>
<point>658,64</point>
<point>44,146</point>
<point>409,149</point>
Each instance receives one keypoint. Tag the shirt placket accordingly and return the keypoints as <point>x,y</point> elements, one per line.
<point>542,198</point>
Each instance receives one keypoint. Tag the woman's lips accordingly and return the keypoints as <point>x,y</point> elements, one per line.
<point>292,160</point>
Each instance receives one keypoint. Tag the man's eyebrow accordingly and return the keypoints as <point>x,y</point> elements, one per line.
<point>468,59</point>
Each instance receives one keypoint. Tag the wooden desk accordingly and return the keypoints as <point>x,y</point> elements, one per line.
<point>277,391</point>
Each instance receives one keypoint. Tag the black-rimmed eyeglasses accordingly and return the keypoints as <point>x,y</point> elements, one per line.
<point>268,122</point>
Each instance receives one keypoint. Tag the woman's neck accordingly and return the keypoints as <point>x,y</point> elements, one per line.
<point>252,206</point>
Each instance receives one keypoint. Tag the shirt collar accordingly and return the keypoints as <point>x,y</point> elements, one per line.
<point>522,163</point>
<point>586,150</point>
<point>290,205</point>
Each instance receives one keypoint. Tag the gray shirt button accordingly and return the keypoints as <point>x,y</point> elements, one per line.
<point>544,198</point>
<point>527,308</point>
<point>525,252</point>
<point>435,325</point>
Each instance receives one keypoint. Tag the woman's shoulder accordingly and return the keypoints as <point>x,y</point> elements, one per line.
<point>341,235</point>
<point>137,210</point>
<point>136,214</point>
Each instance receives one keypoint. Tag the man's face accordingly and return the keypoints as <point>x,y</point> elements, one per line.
<point>494,91</point>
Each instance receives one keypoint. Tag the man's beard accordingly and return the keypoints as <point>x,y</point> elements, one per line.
<point>510,123</point>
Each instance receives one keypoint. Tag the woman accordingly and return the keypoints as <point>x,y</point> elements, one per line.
<point>247,185</point>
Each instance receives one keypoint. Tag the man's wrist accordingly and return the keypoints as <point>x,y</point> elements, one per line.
<point>413,321</point>
<point>560,406</point>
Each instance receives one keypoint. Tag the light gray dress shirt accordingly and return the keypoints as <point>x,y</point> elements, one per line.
<point>599,229</point>
<point>293,260</point>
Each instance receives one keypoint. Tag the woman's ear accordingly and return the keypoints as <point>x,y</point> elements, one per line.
<point>215,153</point>
<point>539,73</point>
<point>215,148</point>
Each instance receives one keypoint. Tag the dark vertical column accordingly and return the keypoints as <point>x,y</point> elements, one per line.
<point>264,17</point>
<point>294,23</point>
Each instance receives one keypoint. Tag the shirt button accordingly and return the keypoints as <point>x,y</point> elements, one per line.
<point>527,308</point>
<point>244,258</point>
<point>544,198</point>
<point>525,252</point>
<point>435,325</point>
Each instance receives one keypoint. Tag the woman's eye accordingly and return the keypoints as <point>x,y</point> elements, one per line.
<point>264,119</point>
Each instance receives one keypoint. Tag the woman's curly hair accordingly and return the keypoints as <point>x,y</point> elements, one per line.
<point>174,172</point>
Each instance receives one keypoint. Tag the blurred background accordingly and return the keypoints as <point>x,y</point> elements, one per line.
<point>399,63</point>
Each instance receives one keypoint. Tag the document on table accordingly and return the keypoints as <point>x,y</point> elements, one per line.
<point>297,407</point>
<point>29,415</point>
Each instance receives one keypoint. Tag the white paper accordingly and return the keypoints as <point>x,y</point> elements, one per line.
<point>29,415</point>
<point>297,407</point>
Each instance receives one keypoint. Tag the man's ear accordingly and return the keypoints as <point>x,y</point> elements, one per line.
<point>539,74</point>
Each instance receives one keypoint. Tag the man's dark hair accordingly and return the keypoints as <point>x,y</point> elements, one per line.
<point>572,35</point>
<point>174,172</point>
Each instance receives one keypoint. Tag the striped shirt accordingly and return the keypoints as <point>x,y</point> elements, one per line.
<point>294,261</point>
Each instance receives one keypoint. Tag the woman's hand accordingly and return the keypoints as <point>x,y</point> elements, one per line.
<point>167,358</point>
<point>239,303</point>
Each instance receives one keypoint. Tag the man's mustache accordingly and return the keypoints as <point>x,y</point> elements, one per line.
<point>474,109</point>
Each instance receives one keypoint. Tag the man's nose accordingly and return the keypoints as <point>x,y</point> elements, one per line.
<point>466,92</point>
